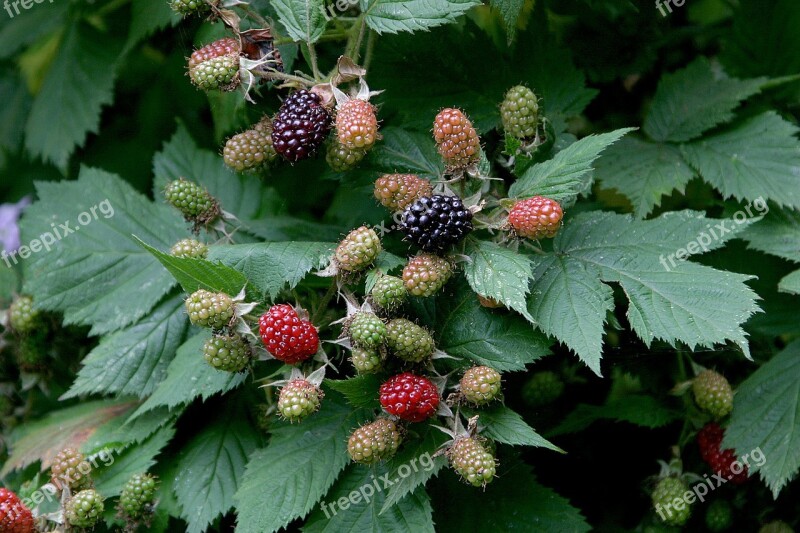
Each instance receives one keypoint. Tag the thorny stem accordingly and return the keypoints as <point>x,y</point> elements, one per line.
<point>359,40</point>
<point>312,58</point>
<point>370,49</point>
<point>275,75</point>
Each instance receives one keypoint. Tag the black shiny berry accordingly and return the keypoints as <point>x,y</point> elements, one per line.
<point>437,222</point>
<point>301,125</point>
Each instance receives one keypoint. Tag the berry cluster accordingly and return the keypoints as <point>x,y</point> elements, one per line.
<point>228,353</point>
<point>374,442</point>
<point>301,126</point>
<point>437,222</point>
<point>456,139</point>
<point>299,399</point>
<point>356,124</point>
<point>666,492</point>
<point>216,65</point>
<point>722,462</point>
<point>398,191</point>
<point>286,336</point>
<point>480,385</point>
<point>536,218</point>
<point>472,461</point>
<point>713,393</point>
<point>425,274</point>
<point>22,317</point>
<point>389,293</point>
<point>358,250</point>
<point>138,496</point>
<point>251,149</point>
<point>193,201</point>
<point>189,248</point>
<point>209,309</point>
<point>14,516</point>
<point>410,397</point>
<point>520,112</point>
<point>85,509</point>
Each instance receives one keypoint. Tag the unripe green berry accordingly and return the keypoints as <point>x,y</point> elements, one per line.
<point>227,353</point>
<point>520,112</point>
<point>543,388</point>
<point>189,248</point>
<point>367,330</point>
<point>85,509</point>
<point>389,293</point>
<point>138,495</point>
<point>480,384</point>
<point>22,317</point>
<point>374,442</point>
<point>209,310</point>
<point>358,250</point>
<point>299,399</point>
<point>365,361</point>
<point>472,461</point>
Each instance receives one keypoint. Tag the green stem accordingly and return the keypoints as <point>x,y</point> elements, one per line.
<point>275,75</point>
<point>370,48</point>
<point>312,57</point>
<point>357,49</point>
<point>323,303</point>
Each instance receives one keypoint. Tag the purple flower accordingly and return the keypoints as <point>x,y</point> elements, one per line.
<point>9,227</point>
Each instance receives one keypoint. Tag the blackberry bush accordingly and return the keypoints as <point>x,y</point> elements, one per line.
<point>334,270</point>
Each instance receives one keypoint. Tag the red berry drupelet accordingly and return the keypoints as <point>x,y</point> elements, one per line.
<point>300,127</point>
<point>398,191</point>
<point>216,65</point>
<point>436,223</point>
<point>456,139</point>
<point>536,218</point>
<point>356,124</point>
<point>285,336</point>
<point>410,397</point>
<point>14,516</point>
<point>722,462</point>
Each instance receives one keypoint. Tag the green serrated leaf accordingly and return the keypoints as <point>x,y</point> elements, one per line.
<point>766,418</point>
<point>790,283</point>
<point>778,233</point>
<point>42,439</point>
<point>465,329</point>
<point>568,173</point>
<point>499,273</point>
<point>79,83</point>
<point>147,17</point>
<point>406,151</point>
<point>510,10</point>
<point>211,466</point>
<point>110,479</point>
<point>363,512</point>
<point>300,464</point>
<point>644,172</point>
<point>360,391</point>
<point>760,158</point>
<point>90,270</point>
<point>695,99</point>
<point>134,361</point>
<point>416,462</point>
<point>304,20</point>
<point>190,377</point>
<point>273,266</point>
<point>29,25</point>
<point>501,424</point>
<point>194,274</point>
<point>123,431</point>
<point>644,411</point>
<point>668,299</point>
<point>393,16</point>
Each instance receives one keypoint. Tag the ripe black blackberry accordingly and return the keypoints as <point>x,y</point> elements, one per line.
<point>301,125</point>
<point>434,223</point>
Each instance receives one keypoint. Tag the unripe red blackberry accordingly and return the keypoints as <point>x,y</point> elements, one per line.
<point>301,125</point>
<point>15,517</point>
<point>227,353</point>
<point>398,191</point>
<point>216,65</point>
<point>85,509</point>
<point>22,317</point>
<point>209,309</point>
<point>472,461</point>
<point>409,341</point>
<point>358,250</point>
<point>520,112</point>
<point>666,492</point>
<point>356,124</point>
<point>713,393</point>
<point>425,274</point>
<point>189,248</point>
<point>366,361</point>
<point>298,399</point>
<point>70,469</point>
<point>410,397</point>
<point>341,158</point>
<point>374,442</point>
<point>456,139</point>
<point>192,200</point>
<point>389,293</point>
<point>138,496</point>
<point>250,150</point>
<point>480,384</point>
<point>536,218</point>
<point>436,223</point>
<point>366,330</point>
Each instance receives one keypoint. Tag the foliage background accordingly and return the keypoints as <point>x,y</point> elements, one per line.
<point>711,87</point>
